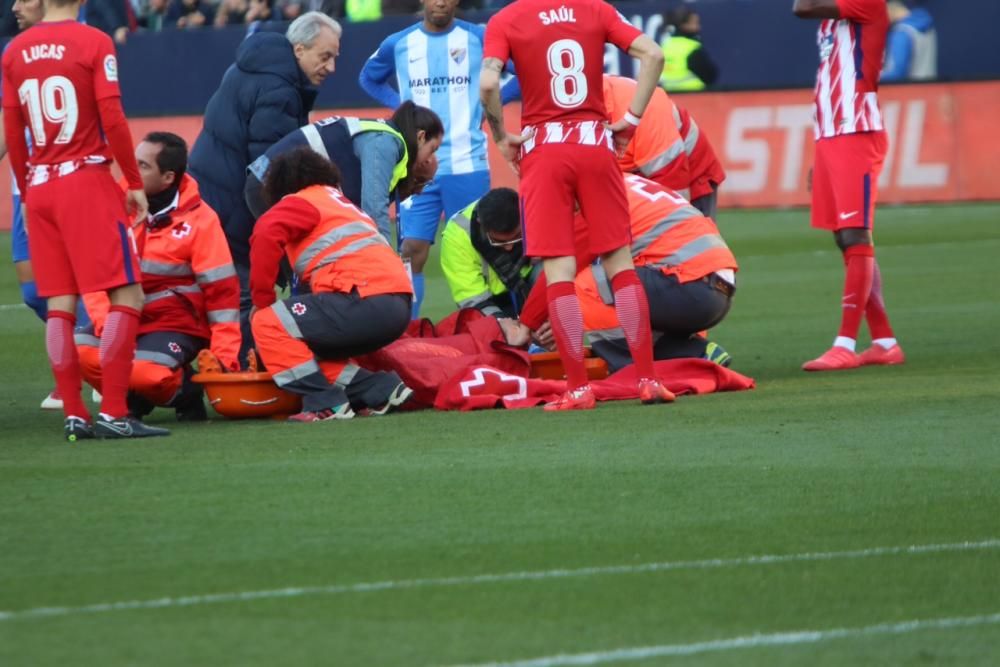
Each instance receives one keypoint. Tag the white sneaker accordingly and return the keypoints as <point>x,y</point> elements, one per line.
<point>53,401</point>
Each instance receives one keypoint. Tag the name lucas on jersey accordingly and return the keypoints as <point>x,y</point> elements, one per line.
<point>43,52</point>
<point>561,15</point>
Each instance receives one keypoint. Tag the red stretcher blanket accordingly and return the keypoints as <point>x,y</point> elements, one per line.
<point>464,363</point>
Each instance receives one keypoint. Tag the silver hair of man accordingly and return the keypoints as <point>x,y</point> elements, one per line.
<point>304,29</point>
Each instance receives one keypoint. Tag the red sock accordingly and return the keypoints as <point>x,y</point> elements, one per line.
<point>567,325</point>
<point>632,309</point>
<point>117,353</point>
<point>65,362</point>
<point>859,261</point>
<point>878,319</point>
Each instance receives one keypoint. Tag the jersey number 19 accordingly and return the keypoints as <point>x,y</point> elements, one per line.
<point>53,100</point>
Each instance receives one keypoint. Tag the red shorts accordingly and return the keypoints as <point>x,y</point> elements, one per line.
<point>79,235</point>
<point>845,180</point>
<point>556,176</point>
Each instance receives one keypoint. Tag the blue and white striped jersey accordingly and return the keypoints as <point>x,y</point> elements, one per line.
<point>439,71</point>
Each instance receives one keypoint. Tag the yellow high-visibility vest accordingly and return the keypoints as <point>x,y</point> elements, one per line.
<point>676,75</point>
<point>363,10</point>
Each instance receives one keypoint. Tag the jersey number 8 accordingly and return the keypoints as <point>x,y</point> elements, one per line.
<point>569,85</point>
<point>54,101</point>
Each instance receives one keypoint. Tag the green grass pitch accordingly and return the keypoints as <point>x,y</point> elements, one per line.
<point>770,527</point>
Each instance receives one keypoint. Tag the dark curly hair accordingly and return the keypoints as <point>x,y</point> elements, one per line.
<point>296,170</point>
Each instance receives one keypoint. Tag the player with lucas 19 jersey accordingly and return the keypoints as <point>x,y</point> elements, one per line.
<point>851,145</point>
<point>60,80</point>
<point>566,157</point>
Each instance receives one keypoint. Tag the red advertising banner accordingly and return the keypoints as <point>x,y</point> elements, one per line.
<point>944,144</point>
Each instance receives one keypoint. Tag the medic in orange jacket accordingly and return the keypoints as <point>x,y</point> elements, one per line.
<point>359,298</point>
<point>656,150</point>
<point>705,170</point>
<point>191,288</point>
<point>680,257</point>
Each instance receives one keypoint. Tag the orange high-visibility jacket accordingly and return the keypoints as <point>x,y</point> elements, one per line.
<point>332,245</point>
<point>188,277</point>
<point>704,167</point>
<point>656,150</point>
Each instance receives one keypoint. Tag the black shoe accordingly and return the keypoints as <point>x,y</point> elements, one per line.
<point>399,395</point>
<point>191,408</point>
<point>126,427</point>
<point>78,429</point>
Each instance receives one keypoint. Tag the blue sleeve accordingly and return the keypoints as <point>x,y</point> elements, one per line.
<point>378,70</point>
<point>378,152</point>
<point>510,90</point>
<point>898,52</point>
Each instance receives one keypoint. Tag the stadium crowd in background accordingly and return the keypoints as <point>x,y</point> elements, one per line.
<point>911,51</point>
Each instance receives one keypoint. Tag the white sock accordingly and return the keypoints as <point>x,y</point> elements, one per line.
<point>886,343</point>
<point>845,342</point>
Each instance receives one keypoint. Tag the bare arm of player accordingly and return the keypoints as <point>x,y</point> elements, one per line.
<point>816,9</point>
<point>650,58</point>
<point>3,139</point>
<point>489,93</point>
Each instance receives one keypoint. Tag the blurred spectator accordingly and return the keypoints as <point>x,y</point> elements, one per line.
<point>911,52</point>
<point>231,12</point>
<point>400,7</point>
<point>686,63</point>
<point>290,10</point>
<point>190,13</point>
<point>8,22</point>
<point>358,11</point>
<point>113,17</point>
<point>152,14</point>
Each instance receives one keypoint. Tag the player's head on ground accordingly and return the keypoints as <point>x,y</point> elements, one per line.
<point>439,14</point>
<point>295,171</point>
<point>315,39</point>
<point>422,131</point>
<point>499,215</point>
<point>28,13</point>
<point>162,159</point>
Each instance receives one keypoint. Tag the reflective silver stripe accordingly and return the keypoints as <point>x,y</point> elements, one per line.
<point>491,310</point>
<point>305,369</point>
<point>223,315</point>
<point>87,340</point>
<point>603,284</point>
<point>690,250</point>
<point>353,247</point>
<point>353,125</point>
<point>617,333</point>
<point>173,291</point>
<point>346,376</point>
<point>691,140</point>
<point>647,238</point>
<point>159,358</point>
<point>285,317</point>
<point>663,159</point>
<point>164,269</point>
<point>315,141</point>
<point>463,222</point>
<point>218,273</point>
<point>677,118</point>
<point>474,301</point>
<point>330,238</point>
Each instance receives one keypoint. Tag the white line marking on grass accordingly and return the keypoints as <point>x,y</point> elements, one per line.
<point>11,306</point>
<point>749,641</point>
<point>471,580</point>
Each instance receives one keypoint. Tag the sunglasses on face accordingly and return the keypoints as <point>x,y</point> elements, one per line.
<point>499,243</point>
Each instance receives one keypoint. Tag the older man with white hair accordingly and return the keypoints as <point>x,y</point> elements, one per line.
<point>267,93</point>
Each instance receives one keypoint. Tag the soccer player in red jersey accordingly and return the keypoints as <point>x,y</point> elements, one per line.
<point>851,145</point>
<point>565,155</point>
<point>60,80</point>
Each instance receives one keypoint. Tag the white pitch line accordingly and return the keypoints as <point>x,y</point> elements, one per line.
<point>11,306</point>
<point>403,584</point>
<point>749,641</point>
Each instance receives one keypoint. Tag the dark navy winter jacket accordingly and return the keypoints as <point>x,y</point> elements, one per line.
<point>263,96</point>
